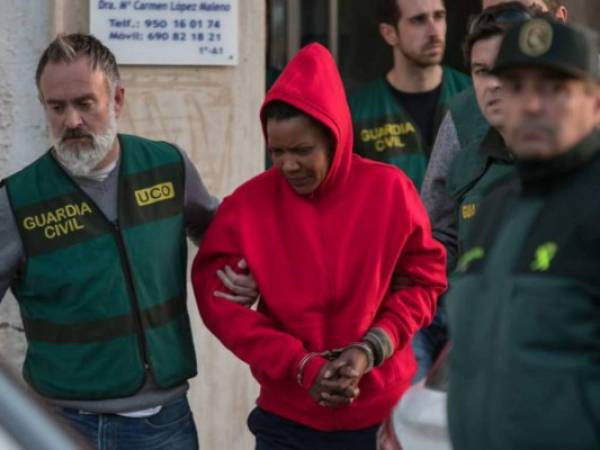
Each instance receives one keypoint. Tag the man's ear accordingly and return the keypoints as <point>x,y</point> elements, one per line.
<point>119,99</point>
<point>389,33</point>
<point>562,14</point>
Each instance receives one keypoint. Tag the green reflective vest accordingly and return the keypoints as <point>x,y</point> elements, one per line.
<point>471,125</point>
<point>102,302</point>
<point>385,132</point>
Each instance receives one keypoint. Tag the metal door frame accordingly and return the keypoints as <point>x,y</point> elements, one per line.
<point>294,27</point>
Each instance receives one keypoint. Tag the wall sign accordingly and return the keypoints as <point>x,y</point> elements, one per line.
<point>175,32</point>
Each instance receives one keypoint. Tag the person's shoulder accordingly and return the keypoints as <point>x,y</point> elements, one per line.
<point>3,193</point>
<point>252,196</point>
<point>129,139</point>
<point>134,138</point>
<point>30,169</point>
<point>470,124</point>
<point>465,167</point>
<point>465,98</point>
<point>378,173</point>
<point>262,183</point>
<point>459,81</point>
<point>4,200</point>
<point>142,151</point>
<point>457,75</point>
<point>368,93</point>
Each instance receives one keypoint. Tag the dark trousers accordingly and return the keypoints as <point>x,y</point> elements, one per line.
<point>276,433</point>
<point>172,428</point>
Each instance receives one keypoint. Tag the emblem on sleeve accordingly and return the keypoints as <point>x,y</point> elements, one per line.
<point>468,211</point>
<point>543,257</point>
<point>469,257</point>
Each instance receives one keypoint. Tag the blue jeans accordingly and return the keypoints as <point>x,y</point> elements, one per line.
<point>429,341</point>
<point>276,433</point>
<point>172,428</point>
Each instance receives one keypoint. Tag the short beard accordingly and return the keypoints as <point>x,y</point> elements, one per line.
<point>422,61</point>
<point>81,159</point>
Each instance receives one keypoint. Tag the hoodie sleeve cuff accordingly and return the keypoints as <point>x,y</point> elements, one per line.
<point>395,341</point>
<point>380,343</point>
<point>310,371</point>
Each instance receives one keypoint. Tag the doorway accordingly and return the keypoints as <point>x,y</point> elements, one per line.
<point>349,29</point>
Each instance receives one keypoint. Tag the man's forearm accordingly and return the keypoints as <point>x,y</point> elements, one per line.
<point>199,206</point>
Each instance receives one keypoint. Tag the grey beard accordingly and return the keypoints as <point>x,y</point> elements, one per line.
<point>81,160</point>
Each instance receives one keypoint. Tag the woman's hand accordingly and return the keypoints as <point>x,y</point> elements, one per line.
<point>337,383</point>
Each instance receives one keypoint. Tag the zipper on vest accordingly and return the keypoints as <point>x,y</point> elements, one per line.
<point>132,293</point>
<point>117,233</point>
<point>124,257</point>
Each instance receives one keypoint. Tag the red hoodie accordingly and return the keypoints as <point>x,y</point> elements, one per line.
<point>323,264</point>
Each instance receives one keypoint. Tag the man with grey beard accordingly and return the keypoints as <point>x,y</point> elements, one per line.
<point>93,246</point>
<point>81,158</point>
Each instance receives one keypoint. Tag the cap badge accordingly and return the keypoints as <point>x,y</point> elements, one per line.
<point>536,37</point>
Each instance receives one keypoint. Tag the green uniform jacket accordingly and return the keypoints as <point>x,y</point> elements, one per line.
<point>524,311</point>
<point>473,174</point>
<point>385,132</point>
<point>103,302</point>
<point>471,125</point>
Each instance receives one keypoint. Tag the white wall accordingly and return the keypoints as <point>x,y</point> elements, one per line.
<point>25,30</point>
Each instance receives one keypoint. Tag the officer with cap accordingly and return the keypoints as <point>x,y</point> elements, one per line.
<point>525,304</point>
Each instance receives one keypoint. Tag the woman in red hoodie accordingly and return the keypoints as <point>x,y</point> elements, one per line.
<point>323,232</point>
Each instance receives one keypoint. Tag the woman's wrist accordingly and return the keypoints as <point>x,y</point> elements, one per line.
<point>367,350</point>
<point>380,344</point>
<point>302,365</point>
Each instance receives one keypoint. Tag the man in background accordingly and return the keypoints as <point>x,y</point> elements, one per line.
<point>395,117</point>
<point>462,126</point>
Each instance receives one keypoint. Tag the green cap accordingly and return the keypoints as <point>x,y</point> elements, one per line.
<point>570,50</point>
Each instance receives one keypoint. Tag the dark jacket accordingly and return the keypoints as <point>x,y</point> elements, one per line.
<point>524,312</point>
<point>472,175</point>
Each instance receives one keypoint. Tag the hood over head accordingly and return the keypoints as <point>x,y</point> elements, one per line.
<point>311,83</point>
